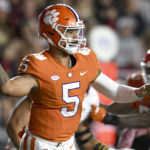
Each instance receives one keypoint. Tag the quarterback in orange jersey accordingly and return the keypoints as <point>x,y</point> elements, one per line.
<point>56,81</point>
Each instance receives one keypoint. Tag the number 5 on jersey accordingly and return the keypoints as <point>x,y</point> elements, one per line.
<point>24,66</point>
<point>70,99</point>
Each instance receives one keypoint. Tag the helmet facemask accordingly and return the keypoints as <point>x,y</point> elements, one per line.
<point>69,44</point>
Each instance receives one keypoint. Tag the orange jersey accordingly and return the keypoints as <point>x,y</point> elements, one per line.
<point>57,104</point>
<point>136,80</point>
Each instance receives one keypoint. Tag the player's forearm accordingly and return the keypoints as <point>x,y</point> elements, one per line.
<point>13,136</point>
<point>129,121</point>
<point>93,144</point>
<point>117,92</point>
<point>19,86</point>
<point>18,119</point>
<point>134,120</point>
<point>86,141</point>
<point>3,76</point>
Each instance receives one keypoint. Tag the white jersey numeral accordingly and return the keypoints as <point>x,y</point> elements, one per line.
<point>24,66</point>
<point>70,99</point>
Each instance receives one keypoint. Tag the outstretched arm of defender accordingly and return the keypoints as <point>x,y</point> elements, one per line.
<point>129,120</point>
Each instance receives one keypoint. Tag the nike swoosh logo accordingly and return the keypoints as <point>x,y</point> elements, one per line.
<point>83,73</point>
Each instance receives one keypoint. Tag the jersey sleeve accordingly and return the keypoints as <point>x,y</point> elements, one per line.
<point>31,65</point>
<point>94,65</point>
<point>28,66</point>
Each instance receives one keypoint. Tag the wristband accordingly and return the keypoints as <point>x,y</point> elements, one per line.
<point>100,146</point>
<point>111,119</point>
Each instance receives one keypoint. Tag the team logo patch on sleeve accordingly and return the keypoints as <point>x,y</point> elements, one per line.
<point>55,77</point>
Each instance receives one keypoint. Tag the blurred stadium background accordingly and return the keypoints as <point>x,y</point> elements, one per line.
<point>117,30</point>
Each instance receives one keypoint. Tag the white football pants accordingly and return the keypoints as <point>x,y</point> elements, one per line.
<point>31,142</point>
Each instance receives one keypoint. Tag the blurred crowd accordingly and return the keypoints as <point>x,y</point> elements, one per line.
<point>129,19</point>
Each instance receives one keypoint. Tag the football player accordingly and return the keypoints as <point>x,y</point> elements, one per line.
<point>56,80</point>
<point>136,138</point>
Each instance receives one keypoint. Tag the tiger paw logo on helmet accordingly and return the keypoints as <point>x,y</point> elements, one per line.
<point>51,17</point>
